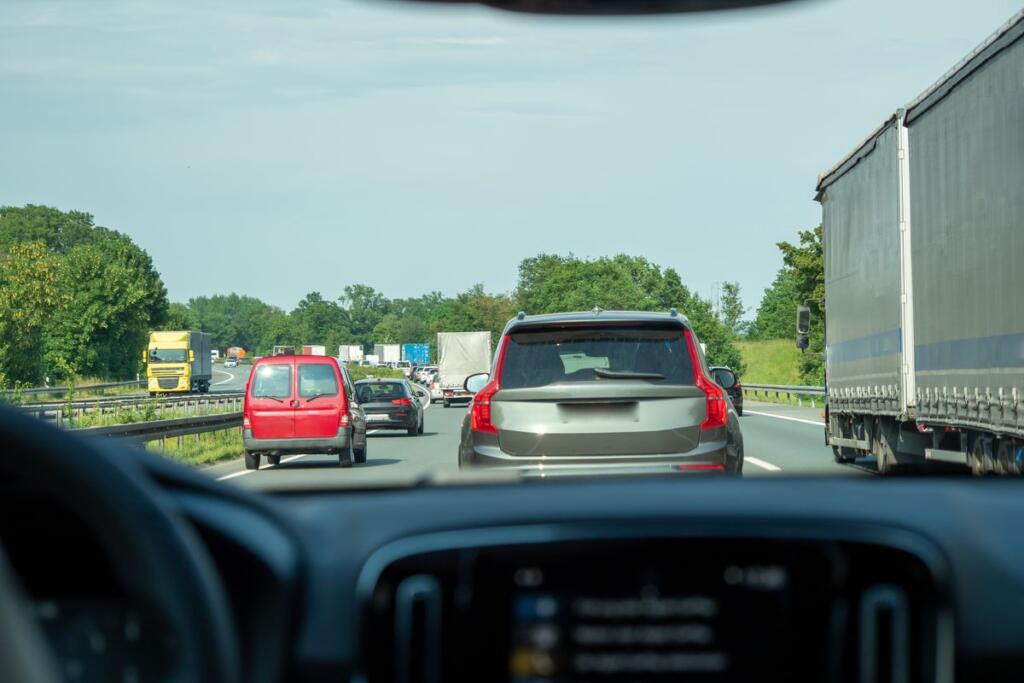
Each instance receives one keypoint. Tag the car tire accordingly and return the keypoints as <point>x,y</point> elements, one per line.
<point>360,453</point>
<point>345,456</point>
<point>413,431</point>
<point>447,403</point>
<point>274,459</point>
<point>422,421</point>
<point>252,460</point>
<point>739,411</point>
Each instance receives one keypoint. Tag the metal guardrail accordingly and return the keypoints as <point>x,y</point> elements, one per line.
<point>191,403</point>
<point>787,390</point>
<point>159,430</point>
<point>85,387</point>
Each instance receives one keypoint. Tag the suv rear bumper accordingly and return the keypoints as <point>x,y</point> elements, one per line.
<point>711,453</point>
<point>316,445</point>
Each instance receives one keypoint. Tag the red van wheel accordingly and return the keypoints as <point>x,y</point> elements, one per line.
<point>345,456</point>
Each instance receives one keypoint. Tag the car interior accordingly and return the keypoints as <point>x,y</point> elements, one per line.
<point>117,564</point>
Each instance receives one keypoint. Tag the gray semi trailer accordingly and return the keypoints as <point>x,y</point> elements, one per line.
<point>924,289</point>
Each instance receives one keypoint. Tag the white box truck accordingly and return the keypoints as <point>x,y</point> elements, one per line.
<point>350,353</point>
<point>924,318</point>
<point>388,353</point>
<point>460,354</point>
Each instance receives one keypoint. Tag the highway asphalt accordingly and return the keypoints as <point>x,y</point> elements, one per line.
<point>778,440</point>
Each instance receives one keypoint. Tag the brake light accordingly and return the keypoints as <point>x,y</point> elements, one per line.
<point>346,416</point>
<point>402,402</point>
<point>245,422</point>
<point>480,411</point>
<point>717,414</point>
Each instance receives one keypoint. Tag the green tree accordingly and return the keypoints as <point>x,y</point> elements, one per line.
<point>29,295</point>
<point>319,321</point>
<point>550,283</point>
<point>776,315</point>
<point>807,262</point>
<point>731,308</point>
<point>114,298</point>
<point>181,317</point>
<point>58,230</point>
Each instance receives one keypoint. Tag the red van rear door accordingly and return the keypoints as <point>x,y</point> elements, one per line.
<point>319,397</point>
<point>270,397</point>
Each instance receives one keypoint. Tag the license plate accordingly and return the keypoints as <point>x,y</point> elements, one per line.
<point>374,417</point>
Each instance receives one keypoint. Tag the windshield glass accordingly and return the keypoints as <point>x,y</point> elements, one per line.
<point>272,381</point>
<point>317,379</point>
<point>537,358</point>
<point>168,355</point>
<point>768,242</point>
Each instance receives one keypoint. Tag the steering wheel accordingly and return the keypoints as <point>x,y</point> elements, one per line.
<point>156,556</point>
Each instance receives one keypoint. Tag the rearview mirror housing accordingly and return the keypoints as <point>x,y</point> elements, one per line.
<point>803,320</point>
<point>611,7</point>
<point>475,383</point>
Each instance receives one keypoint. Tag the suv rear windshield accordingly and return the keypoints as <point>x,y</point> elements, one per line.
<point>539,358</point>
<point>375,392</point>
<point>317,379</point>
<point>273,381</point>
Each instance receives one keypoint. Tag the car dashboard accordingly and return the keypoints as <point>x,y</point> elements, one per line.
<point>606,579</point>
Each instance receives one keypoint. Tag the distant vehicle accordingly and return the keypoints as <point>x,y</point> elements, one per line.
<point>283,351</point>
<point>417,354</point>
<point>461,354</point>
<point>391,404</point>
<point>405,366</point>
<point>350,353</point>
<point>231,362</point>
<point>388,353</point>
<point>585,389</point>
<point>372,360</point>
<point>436,393</point>
<point>236,351</point>
<point>214,355</point>
<point>301,404</point>
<point>365,363</point>
<point>314,350</point>
<point>730,381</point>
<point>178,361</point>
<point>422,374</point>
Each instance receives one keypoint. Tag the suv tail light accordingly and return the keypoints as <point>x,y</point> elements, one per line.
<point>717,413</point>
<point>402,402</point>
<point>480,411</point>
<point>346,415</point>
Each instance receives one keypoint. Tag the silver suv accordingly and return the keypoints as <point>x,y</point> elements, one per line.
<point>603,391</point>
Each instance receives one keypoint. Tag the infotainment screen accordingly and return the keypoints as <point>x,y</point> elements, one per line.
<point>623,612</point>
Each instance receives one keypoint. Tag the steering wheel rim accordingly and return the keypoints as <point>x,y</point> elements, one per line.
<point>156,555</point>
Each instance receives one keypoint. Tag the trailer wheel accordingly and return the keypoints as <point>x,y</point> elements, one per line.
<point>885,458</point>
<point>843,456</point>
<point>981,457</point>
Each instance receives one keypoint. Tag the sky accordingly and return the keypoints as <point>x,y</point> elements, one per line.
<point>277,148</point>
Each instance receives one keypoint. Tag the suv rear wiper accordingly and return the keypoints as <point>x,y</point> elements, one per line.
<point>615,374</point>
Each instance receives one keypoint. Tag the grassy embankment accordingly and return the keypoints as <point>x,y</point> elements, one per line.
<point>774,361</point>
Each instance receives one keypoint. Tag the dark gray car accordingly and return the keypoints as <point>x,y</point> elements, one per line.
<point>600,391</point>
<point>392,404</point>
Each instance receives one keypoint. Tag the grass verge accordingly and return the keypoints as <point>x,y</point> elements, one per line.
<point>773,361</point>
<point>201,449</point>
<point>357,372</point>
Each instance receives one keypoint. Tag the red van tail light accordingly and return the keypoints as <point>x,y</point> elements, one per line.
<point>245,422</point>
<point>346,415</point>
<point>402,402</point>
<point>480,412</point>
<point>717,412</point>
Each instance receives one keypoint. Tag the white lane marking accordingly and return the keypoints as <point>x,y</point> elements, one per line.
<point>223,381</point>
<point>762,464</point>
<point>783,417</point>
<point>262,467</point>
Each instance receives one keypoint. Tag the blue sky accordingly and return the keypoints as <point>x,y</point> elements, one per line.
<point>274,148</point>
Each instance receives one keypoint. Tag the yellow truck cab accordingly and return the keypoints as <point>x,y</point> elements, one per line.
<point>178,362</point>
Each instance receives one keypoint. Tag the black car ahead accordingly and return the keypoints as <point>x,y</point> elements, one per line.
<point>391,404</point>
<point>730,381</point>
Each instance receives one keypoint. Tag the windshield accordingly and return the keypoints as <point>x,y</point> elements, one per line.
<point>757,243</point>
<point>168,355</point>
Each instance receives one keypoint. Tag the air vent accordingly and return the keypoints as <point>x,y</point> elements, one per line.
<point>418,625</point>
<point>884,635</point>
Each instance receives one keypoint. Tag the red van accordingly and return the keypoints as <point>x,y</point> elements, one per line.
<point>301,404</point>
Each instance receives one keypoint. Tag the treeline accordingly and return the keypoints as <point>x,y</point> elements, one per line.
<point>547,284</point>
<point>75,298</point>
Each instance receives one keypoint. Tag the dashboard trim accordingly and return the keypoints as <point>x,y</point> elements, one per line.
<point>824,531</point>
